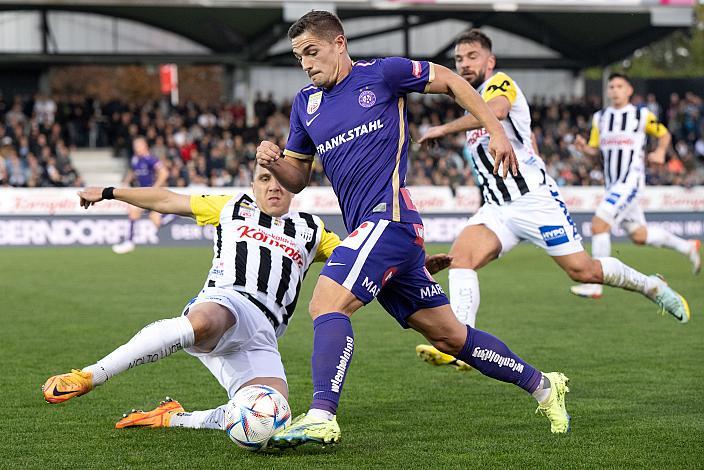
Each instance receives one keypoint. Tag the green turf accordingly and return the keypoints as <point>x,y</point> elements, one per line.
<point>637,378</point>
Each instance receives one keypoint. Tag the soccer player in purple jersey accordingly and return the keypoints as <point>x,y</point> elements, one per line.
<point>354,117</point>
<point>145,171</point>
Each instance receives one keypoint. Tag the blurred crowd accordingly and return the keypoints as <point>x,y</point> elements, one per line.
<point>209,145</point>
<point>34,151</point>
<point>555,126</point>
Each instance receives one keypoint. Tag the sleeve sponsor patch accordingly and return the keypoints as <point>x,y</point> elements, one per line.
<point>417,68</point>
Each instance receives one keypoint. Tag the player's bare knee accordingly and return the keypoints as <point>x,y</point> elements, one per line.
<point>638,238</point>
<point>316,307</point>
<point>463,262</point>
<point>209,323</point>
<point>202,328</point>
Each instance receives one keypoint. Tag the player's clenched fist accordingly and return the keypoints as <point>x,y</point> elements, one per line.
<point>500,148</point>
<point>90,196</point>
<point>268,153</point>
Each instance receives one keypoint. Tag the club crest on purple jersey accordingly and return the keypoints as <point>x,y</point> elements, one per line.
<point>314,102</point>
<point>367,99</point>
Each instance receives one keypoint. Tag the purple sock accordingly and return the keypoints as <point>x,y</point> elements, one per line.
<point>490,356</point>
<point>333,345</point>
<point>130,234</point>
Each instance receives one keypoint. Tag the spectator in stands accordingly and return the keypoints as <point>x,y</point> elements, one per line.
<point>17,170</point>
<point>44,110</point>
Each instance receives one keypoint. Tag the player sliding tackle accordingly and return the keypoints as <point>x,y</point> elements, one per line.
<point>354,117</point>
<point>262,251</point>
<point>525,206</point>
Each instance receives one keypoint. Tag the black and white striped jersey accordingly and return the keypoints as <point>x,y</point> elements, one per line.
<point>531,174</point>
<point>264,258</point>
<point>620,134</point>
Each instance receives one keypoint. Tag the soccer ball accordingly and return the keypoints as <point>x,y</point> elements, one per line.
<point>254,414</point>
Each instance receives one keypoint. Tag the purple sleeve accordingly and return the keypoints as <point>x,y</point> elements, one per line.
<point>299,141</point>
<point>406,75</point>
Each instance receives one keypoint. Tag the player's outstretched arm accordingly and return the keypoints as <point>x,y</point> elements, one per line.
<point>292,173</point>
<point>449,83</point>
<point>500,106</point>
<point>155,199</point>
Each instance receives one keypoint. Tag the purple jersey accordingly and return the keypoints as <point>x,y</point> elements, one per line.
<point>145,168</point>
<point>359,129</point>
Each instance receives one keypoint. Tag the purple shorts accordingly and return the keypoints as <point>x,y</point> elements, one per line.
<point>386,260</point>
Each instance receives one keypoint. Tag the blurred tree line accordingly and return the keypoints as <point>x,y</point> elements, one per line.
<point>679,55</point>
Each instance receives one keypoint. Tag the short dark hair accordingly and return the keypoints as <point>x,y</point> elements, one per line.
<point>322,23</point>
<point>621,76</point>
<point>474,35</point>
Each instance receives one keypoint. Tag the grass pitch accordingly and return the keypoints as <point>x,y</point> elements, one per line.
<point>636,378</point>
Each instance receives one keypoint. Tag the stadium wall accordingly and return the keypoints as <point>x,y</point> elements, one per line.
<point>52,217</point>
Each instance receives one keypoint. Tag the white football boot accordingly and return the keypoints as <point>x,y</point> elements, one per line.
<point>124,247</point>
<point>590,291</point>
<point>694,257</point>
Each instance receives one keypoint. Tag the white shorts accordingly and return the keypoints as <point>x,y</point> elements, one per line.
<point>620,207</point>
<point>247,350</point>
<point>540,217</point>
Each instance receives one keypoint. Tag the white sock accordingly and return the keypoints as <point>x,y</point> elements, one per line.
<point>601,245</point>
<point>464,295</point>
<point>617,274</point>
<point>208,419</point>
<point>601,248</point>
<point>660,237</point>
<point>320,414</point>
<point>155,341</point>
<point>542,393</point>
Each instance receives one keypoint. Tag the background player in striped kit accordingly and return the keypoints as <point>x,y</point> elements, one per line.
<point>620,133</point>
<point>525,206</point>
<point>261,254</point>
<point>145,171</point>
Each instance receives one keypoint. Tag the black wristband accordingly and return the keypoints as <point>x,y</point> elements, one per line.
<point>108,193</point>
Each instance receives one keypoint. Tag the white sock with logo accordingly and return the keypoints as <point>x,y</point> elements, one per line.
<point>660,237</point>
<point>153,342</point>
<point>207,419</point>
<point>617,274</point>
<point>464,294</point>
<point>320,414</point>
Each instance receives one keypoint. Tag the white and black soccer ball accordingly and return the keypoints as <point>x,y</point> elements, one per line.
<point>254,414</point>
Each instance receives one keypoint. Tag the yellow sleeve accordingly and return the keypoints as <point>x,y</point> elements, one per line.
<point>653,127</point>
<point>500,85</point>
<point>207,208</point>
<point>328,241</point>
<point>594,135</point>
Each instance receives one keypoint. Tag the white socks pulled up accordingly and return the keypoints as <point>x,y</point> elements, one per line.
<point>153,342</point>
